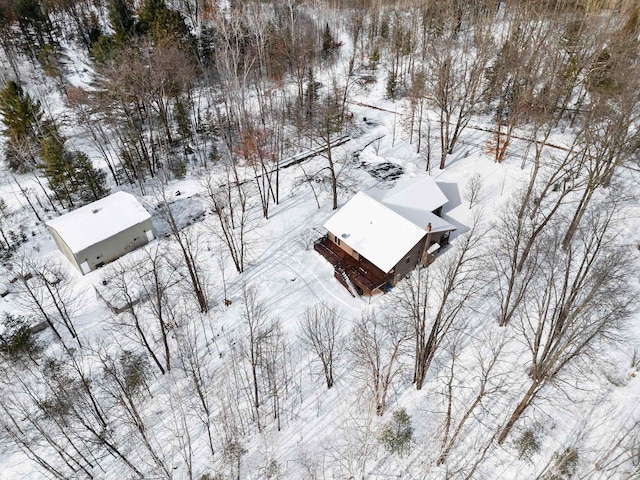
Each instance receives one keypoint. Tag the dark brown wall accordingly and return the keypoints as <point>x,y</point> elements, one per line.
<point>415,255</point>
<point>403,267</point>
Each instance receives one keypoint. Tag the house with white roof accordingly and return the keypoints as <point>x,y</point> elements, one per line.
<point>102,231</point>
<point>378,237</point>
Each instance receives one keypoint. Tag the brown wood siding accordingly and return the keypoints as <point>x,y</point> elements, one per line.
<point>418,254</point>
<point>435,238</point>
<point>403,267</point>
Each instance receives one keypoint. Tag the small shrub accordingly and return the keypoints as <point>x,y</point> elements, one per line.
<point>567,462</point>
<point>397,434</point>
<point>103,48</point>
<point>48,59</point>
<point>179,169</point>
<point>272,470</point>
<point>308,238</point>
<point>565,465</point>
<point>527,445</point>
<point>134,369</point>
<point>211,476</point>
<point>392,85</point>
<point>374,59</point>
<point>17,338</point>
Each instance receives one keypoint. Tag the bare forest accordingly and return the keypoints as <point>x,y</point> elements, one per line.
<point>225,348</point>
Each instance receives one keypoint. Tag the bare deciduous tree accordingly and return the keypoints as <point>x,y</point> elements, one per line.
<point>431,299</point>
<point>189,245</point>
<point>457,63</point>
<point>45,289</point>
<point>528,215</point>
<point>472,189</point>
<point>276,370</point>
<point>123,292</point>
<point>156,277</point>
<point>125,386</point>
<point>576,300</point>
<point>196,364</point>
<point>230,203</point>
<point>484,382</point>
<point>353,446</point>
<point>321,331</point>
<point>258,328</point>
<point>376,347</point>
<point>609,144</point>
<point>329,122</point>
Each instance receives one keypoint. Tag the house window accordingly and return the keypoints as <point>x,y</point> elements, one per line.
<point>408,259</point>
<point>337,240</point>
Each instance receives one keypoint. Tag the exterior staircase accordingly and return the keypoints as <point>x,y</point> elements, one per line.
<point>346,281</point>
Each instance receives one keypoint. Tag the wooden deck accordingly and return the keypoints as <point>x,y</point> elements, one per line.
<point>366,277</point>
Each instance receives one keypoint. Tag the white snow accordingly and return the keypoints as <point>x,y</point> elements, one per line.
<point>99,220</point>
<point>422,218</point>
<point>415,199</point>
<point>324,425</point>
<point>374,231</point>
<point>421,192</point>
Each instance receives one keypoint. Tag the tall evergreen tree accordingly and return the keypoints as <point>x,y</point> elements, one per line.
<point>22,117</point>
<point>122,21</point>
<point>91,181</point>
<point>159,22</point>
<point>71,175</point>
<point>20,113</point>
<point>329,43</point>
<point>35,25</point>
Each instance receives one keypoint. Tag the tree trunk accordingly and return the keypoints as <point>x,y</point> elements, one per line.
<point>519,410</point>
<point>577,217</point>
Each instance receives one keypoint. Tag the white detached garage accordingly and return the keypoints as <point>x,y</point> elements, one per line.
<point>102,231</point>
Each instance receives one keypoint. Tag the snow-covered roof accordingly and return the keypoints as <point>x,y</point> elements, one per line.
<point>422,218</point>
<point>417,193</point>
<point>383,226</point>
<point>374,231</point>
<point>415,199</point>
<point>99,220</point>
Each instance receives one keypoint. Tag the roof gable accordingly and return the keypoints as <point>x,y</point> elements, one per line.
<point>418,193</point>
<point>423,218</point>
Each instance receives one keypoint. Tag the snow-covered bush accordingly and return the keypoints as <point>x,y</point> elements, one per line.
<point>397,434</point>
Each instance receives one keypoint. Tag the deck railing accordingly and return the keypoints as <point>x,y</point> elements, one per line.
<point>366,277</point>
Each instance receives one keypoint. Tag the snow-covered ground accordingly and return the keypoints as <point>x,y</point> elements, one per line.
<point>326,430</point>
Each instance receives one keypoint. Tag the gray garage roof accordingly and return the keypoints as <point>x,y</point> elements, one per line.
<point>99,220</point>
